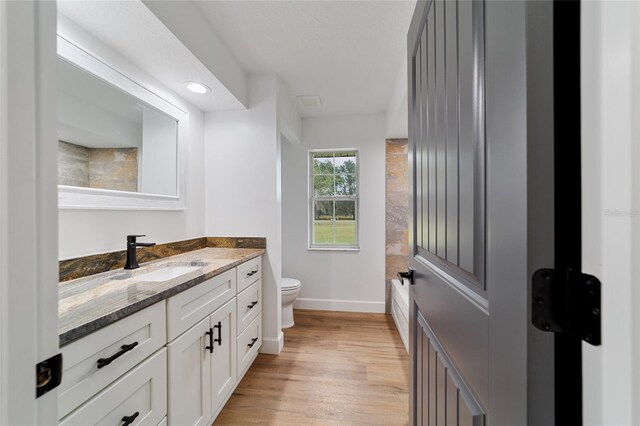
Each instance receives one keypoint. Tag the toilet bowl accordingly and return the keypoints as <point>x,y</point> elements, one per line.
<point>290,290</point>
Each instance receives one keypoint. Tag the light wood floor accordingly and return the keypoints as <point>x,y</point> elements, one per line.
<point>336,368</point>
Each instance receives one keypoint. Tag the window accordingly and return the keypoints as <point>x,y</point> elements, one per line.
<point>333,199</point>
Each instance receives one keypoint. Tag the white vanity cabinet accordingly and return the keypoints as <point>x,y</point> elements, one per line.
<point>202,368</point>
<point>175,363</point>
<point>207,326</point>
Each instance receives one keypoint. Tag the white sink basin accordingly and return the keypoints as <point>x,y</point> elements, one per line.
<point>167,273</point>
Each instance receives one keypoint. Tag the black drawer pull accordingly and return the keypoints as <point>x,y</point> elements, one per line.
<point>252,304</point>
<point>102,362</point>
<point>219,339</point>
<point>253,342</point>
<point>210,347</point>
<point>130,419</point>
<point>252,273</point>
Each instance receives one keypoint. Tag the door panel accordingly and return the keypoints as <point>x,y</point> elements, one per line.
<point>440,129</point>
<point>450,140</point>
<point>431,374</point>
<point>467,139</point>
<point>464,333</point>
<point>450,400</point>
<point>451,76</point>
<point>420,85</point>
<point>431,189</point>
<point>468,309</point>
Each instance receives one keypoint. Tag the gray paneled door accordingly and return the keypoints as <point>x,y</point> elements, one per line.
<point>468,241</point>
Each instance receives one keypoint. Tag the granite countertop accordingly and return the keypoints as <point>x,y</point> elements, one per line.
<point>90,303</point>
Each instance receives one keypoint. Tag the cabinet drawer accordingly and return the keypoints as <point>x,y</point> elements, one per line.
<point>186,309</point>
<point>143,391</point>
<point>247,347</point>
<point>144,332</point>
<point>249,272</point>
<point>249,305</point>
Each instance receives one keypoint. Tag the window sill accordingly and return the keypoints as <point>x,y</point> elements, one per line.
<point>333,248</point>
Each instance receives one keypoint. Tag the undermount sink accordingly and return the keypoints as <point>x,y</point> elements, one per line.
<point>166,273</point>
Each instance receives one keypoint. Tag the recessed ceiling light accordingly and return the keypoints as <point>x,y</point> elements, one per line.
<point>195,87</point>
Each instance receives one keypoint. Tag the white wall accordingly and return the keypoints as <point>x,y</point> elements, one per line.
<point>159,155</point>
<point>289,122</point>
<point>242,192</point>
<point>611,206</point>
<point>398,111</point>
<point>337,280</point>
<point>83,232</point>
<point>28,199</point>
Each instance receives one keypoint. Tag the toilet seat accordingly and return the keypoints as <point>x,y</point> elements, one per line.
<point>289,284</point>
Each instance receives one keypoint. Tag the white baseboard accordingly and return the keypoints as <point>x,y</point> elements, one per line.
<point>339,305</point>
<point>272,346</point>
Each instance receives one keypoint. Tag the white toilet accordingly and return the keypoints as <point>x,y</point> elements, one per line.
<point>290,290</point>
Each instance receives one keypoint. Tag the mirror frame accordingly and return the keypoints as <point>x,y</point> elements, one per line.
<point>79,198</point>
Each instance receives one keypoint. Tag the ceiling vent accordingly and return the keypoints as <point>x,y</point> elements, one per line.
<point>309,101</point>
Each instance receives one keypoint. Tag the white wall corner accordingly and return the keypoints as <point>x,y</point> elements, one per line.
<point>289,121</point>
<point>187,23</point>
<point>242,172</point>
<point>272,346</point>
<point>398,110</point>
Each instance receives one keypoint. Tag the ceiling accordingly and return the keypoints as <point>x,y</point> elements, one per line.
<point>130,29</point>
<point>347,52</point>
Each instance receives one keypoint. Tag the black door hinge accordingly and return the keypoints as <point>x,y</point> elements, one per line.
<point>566,302</point>
<point>48,375</point>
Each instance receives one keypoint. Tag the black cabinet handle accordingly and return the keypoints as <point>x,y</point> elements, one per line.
<point>219,339</point>
<point>252,304</point>
<point>210,347</point>
<point>252,273</point>
<point>130,419</point>
<point>102,362</point>
<point>253,342</point>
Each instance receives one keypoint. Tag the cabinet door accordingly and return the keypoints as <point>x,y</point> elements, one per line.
<point>141,394</point>
<point>223,358</point>
<point>190,377</point>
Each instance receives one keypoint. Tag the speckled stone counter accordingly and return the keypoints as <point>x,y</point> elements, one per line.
<point>90,303</point>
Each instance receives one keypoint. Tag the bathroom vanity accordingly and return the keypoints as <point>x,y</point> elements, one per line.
<point>165,344</point>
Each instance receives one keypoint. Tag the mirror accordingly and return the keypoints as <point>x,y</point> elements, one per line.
<point>109,139</point>
<point>121,144</point>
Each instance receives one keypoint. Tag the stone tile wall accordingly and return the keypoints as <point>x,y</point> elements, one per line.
<point>397,212</point>
<point>73,165</point>
<point>114,168</point>
<point>105,168</point>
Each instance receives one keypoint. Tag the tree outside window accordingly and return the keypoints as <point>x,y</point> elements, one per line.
<point>334,199</point>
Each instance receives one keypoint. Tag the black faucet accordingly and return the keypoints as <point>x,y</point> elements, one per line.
<point>132,261</point>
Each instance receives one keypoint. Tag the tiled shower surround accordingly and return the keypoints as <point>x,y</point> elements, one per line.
<point>397,212</point>
<point>104,168</point>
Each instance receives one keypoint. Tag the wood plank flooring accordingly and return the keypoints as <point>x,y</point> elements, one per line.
<point>337,368</point>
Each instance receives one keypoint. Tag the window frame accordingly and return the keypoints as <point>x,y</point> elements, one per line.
<point>312,198</point>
